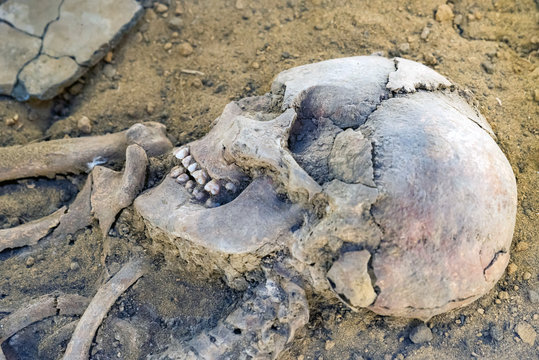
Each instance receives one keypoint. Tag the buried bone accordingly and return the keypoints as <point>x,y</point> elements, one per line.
<point>79,155</point>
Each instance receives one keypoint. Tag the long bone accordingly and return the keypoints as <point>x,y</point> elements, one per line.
<point>79,155</point>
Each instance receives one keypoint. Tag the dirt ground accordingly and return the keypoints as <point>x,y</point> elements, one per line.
<point>236,48</point>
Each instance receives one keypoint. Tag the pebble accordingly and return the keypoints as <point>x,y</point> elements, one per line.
<point>74,266</point>
<point>108,57</point>
<point>503,295</point>
<point>481,311</point>
<point>175,23</point>
<point>512,268</point>
<point>255,65</point>
<point>420,334</point>
<point>185,49</point>
<point>150,108</point>
<point>10,121</point>
<point>109,71</point>
<point>526,333</point>
<point>496,332</point>
<point>76,89</point>
<point>179,9</point>
<point>536,95</point>
<point>444,13</point>
<point>84,125</point>
<point>533,295</point>
<point>30,261</point>
<point>425,33</point>
<point>196,83</point>
<point>404,48</point>
<point>488,67</point>
<point>527,275</point>
<point>161,8</point>
<point>168,46</point>
<point>430,59</point>
<point>523,245</point>
<point>330,344</point>
<point>240,4</point>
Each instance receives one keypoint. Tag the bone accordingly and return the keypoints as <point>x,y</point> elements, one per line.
<point>79,346</point>
<point>193,167</point>
<point>182,178</point>
<point>181,153</point>
<point>176,171</point>
<point>187,161</point>
<point>212,187</point>
<point>113,191</point>
<point>200,176</point>
<point>39,309</point>
<point>78,155</point>
<point>30,233</point>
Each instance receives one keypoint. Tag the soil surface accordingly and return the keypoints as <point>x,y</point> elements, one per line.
<point>181,67</point>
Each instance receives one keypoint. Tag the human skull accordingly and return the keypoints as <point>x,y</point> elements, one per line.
<point>370,177</point>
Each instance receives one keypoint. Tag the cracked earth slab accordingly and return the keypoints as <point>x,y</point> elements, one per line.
<point>48,44</point>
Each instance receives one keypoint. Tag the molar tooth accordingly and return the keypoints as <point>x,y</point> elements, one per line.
<point>230,186</point>
<point>192,167</point>
<point>199,194</point>
<point>176,171</point>
<point>212,187</point>
<point>201,176</point>
<point>187,160</point>
<point>182,178</point>
<point>181,153</point>
<point>190,185</point>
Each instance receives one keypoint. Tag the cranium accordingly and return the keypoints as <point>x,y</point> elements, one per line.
<point>364,178</point>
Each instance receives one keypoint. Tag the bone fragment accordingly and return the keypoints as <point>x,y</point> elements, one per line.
<point>183,178</point>
<point>79,154</point>
<point>212,187</point>
<point>78,214</point>
<point>39,309</point>
<point>113,191</point>
<point>31,232</point>
<point>79,346</point>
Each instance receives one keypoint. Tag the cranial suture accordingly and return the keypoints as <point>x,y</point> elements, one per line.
<point>368,178</point>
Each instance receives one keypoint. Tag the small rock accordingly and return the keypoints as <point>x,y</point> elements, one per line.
<point>458,19</point>
<point>161,8</point>
<point>329,345</point>
<point>74,266</point>
<point>512,268</point>
<point>421,334</point>
<point>179,9</point>
<point>533,295</point>
<point>404,48</point>
<point>526,333</point>
<point>523,245</point>
<point>240,4</point>
<point>196,83</point>
<point>167,46</point>
<point>536,95</point>
<point>444,13</point>
<point>496,332</point>
<point>503,295</point>
<point>488,67</point>
<point>108,57</point>
<point>425,33</point>
<point>175,23</point>
<point>527,275</point>
<point>255,65</point>
<point>150,108</point>
<point>76,89</point>
<point>481,311</point>
<point>185,49</point>
<point>109,71</point>
<point>30,261</point>
<point>430,59</point>
<point>84,125</point>
<point>10,121</point>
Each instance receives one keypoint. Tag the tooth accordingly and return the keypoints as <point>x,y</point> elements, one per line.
<point>211,203</point>
<point>230,186</point>
<point>181,153</point>
<point>187,160</point>
<point>199,194</point>
<point>189,185</point>
<point>192,167</point>
<point>200,176</point>
<point>176,171</point>
<point>182,178</point>
<point>212,187</point>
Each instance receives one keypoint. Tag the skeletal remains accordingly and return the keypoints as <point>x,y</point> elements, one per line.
<point>365,178</point>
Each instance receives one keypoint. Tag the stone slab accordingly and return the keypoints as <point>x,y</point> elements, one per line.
<point>30,16</point>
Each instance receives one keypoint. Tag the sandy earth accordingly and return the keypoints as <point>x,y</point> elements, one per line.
<point>490,48</point>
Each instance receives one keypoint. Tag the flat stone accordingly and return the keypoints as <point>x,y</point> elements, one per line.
<point>44,77</point>
<point>421,334</point>
<point>17,49</point>
<point>526,332</point>
<point>87,30</point>
<point>30,16</point>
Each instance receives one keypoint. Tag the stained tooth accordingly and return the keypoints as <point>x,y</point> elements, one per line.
<point>187,160</point>
<point>211,203</point>
<point>192,167</point>
<point>190,185</point>
<point>199,194</point>
<point>212,187</point>
<point>182,178</point>
<point>201,176</point>
<point>230,186</point>
<point>181,153</point>
<point>176,171</point>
